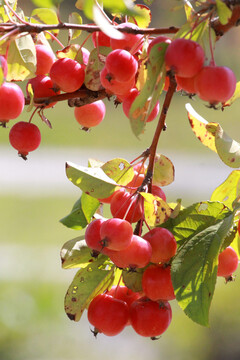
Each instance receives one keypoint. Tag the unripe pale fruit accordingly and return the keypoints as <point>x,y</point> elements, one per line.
<point>67,74</point>
<point>185,57</point>
<point>45,59</point>
<point>11,101</point>
<point>215,84</point>
<point>24,137</point>
<point>121,64</point>
<point>91,114</point>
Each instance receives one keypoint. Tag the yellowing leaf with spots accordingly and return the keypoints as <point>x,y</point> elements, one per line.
<point>228,149</point>
<point>163,171</point>
<point>143,17</point>
<point>156,210</point>
<point>229,190</point>
<point>198,125</point>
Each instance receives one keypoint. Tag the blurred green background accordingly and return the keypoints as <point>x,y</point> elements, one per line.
<point>36,194</point>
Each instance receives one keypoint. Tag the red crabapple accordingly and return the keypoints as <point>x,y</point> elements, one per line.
<point>164,245</point>
<point>67,74</point>
<point>157,191</point>
<point>150,318</point>
<point>4,65</point>
<point>185,57</point>
<point>116,234</point>
<point>45,59</point>
<point>136,255</point>
<point>157,283</point>
<point>227,262</point>
<point>215,84</point>
<point>24,137</point>
<point>108,315</point>
<point>90,115</point>
<point>121,65</point>
<point>130,41</point>
<point>85,57</point>
<point>125,205</point>
<point>128,101</point>
<point>158,40</point>
<point>43,87</point>
<point>11,101</point>
<point>114,86</point>
<point>92,235</point>
<point>186,84</point>
<point>100,39</point>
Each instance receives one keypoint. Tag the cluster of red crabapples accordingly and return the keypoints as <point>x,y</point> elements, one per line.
<point>148,311</point>
<point>184,58</point>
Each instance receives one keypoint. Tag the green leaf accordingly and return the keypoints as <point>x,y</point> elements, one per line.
<point>148,97</point>
<point>133,279</point>
<point>156,210</point>
<point>45,16</point>
<point>74,18</point>
<point>95,65</point>
<point>21,59</point>
<point>228,149</point>
<point>87,283</point>
<point>229,190</point>
<point>197,33</point>
<point>223,11</point>
<point>199,127</point>
<point>189,11</point>
<point>194,269</point>
<point>163,172</point>
<point>236,244</point>
<point>82,213</point>
<point>148,2</point>
<point>46,3</point>
<point>235,96</point>
<point>119,170</point>
<point>76,254</point>
<point>92,181</point>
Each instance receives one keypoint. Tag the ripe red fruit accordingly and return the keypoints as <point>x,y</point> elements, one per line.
<point>116,234</point>
<point>114,86</point>
<point>45,59</point>
<point>121,65</point>
<point>43,87</point>
<point>92,235</point>
<point>186,84</point>
<point>158,40</point>
<point>11,101</point>
<point>85,57</point>
<point>227,262</point>
<point>163,243</point>
<point>150,318</point>
<point>136,255</point>
<point>157,191</point>
<point>215,84</point>
<point>157,283</point>
<point>67,74</point>
<point>100,39</point>
<point>123,293</point>
<point>125,206</point>
<point>108,315</point>
<point>24,137</point>
<point>136,181</point>
<point>129,42</point>
<point>185,57</point>
<point>128,101</point>
<point>91,114</point>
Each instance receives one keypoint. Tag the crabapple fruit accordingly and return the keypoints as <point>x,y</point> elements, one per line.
<point>116,234</point>
<point>125,205</point>
<point>121,64</point>
<point>90,115</point>
<point>164,245</point>
<point>45,59</point>
<point>11,101</point>
<point>227,262</point>
<point>157,283</point>
<point>43,87</point>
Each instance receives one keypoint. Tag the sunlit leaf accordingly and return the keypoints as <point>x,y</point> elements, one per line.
<point>92,181</point>
<point>189,11</point>
<point>74,18</point>
<point>223,11</point>
<point>119,170</point>
<point>133,279</point>
<point>163,171</point>
<point>228,149</point>
<point>148,97</point>
<point>87,283</point>
<point>75,254</point>
<point>68,52</point>
<point>144,18</point>
<point>229,190</point>
<point>31,97</point>
<point>21,59</point>
<point>156,210</point>
<point>95,64</point>
<point>45,16</point>
<point>46,3</point>
<point>81,213</point>
<point>198,125</point>
<point>196,33</point>
<point>104,24</point>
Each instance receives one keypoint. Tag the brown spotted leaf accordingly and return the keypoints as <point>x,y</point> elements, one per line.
<point>198,125</point>
<point>156,210</point>
<point>95,65</point>
<point>163,171</point>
